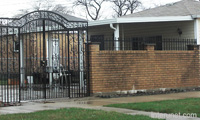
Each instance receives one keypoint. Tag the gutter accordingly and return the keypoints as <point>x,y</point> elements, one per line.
<point>142,20</point>
<point>195,16</point>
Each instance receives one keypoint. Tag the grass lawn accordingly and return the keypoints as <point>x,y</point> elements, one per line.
<point>189,105</point>
<point>73,114</point>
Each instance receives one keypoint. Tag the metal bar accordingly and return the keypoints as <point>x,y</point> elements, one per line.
<point>19,65</point>
<point>22,64</point>
<point>36,37</point>
<point>2,80</point>
<point>7,66</point>
<point>79,78</point>
<point>68,55</point>
<point>88,65</point>
<point>62,70</point>
<point>41,70</point>
<point>73,78</point>
<point>44,58</point>
<point>48,59</point>
<point>30,63</point>
<point>59,79</point>
<point>51,58</point>
<point>13,70</point>
<point>26,28</point>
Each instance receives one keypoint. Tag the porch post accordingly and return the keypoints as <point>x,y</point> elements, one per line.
<point>123,37</point>
<point>196,30</point>
<point>116,38</point>
<point>81,68</point>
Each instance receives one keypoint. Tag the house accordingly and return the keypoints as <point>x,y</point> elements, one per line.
<point>122,60</point>
<point>162,26</point>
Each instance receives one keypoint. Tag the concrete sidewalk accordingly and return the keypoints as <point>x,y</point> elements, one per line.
<point>96,103</point>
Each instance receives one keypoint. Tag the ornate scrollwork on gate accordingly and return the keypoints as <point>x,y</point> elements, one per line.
<point>47,15</point>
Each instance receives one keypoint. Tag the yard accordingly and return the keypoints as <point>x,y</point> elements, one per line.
<point>73,114</point>
<point>189,105</point>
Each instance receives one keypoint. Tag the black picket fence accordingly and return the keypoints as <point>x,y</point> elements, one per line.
<point>139,44</point>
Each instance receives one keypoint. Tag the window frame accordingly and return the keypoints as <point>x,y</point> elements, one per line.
<point>14,46</point>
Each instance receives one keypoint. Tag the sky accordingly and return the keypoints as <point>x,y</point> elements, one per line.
<point>9,8</point>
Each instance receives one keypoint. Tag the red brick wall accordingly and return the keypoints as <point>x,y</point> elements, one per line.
<point>148,69</point>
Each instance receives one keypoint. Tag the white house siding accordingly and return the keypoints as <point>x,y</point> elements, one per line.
<point>131,30</point>
<point>164,29</point>
<point>101,30</point>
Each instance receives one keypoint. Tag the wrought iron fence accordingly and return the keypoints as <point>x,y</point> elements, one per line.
<point>42,56</point>
<point>139,44</point>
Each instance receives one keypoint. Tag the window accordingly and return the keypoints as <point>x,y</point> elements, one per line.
<point>98,38</point>
<point>16,46</point>
<point>139,42</point>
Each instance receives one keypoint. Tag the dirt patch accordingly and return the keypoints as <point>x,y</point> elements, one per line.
<point>147,93</point>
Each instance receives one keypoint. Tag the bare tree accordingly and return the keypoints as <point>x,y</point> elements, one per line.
<point>45,5</point>
<point>132,5</point>
<point>42,5</point>
<point>62,9</point>
<point>92,7</point>
<point>122,7</point>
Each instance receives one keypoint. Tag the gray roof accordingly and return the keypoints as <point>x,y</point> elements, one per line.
<point>182,8</point>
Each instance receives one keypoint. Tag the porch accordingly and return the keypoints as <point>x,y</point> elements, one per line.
<point>133,35</point>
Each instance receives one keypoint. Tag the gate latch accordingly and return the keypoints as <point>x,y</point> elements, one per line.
<point>43,63</point>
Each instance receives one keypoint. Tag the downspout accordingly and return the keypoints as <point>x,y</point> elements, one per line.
<point>112,27</point>
<point>116,36</point>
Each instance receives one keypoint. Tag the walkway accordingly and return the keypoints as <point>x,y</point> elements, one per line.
<point>95,103</point>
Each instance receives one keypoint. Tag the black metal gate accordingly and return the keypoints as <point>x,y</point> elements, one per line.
<point>42,56</point>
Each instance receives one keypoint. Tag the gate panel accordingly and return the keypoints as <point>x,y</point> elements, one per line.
<point>51,62</point>
<point>42,57</point>
<point>9,65</point>
<point>32,73</point>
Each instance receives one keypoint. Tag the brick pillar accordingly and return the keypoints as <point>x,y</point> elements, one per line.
<point>151,65</point>
<point>150,47</point>
<point>94,47</point>
<point>196,49</point>
<point>192,47</point>
<point>93,50</point>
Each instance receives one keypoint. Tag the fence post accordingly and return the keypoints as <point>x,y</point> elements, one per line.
<point>93,49</point>
<point>81,67</point>
<point>196,49</point>
<point>149,47</point>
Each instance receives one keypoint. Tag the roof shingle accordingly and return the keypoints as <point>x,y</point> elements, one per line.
<point>182,8</point>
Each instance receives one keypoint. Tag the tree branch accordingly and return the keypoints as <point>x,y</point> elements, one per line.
<point>92,7</point>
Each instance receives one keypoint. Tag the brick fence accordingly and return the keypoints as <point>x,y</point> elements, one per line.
<point>111,71</point>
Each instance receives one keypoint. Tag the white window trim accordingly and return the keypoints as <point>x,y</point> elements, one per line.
<point>14,47</point>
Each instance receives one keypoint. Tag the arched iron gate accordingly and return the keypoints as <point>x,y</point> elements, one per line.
<point>42,56</point>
